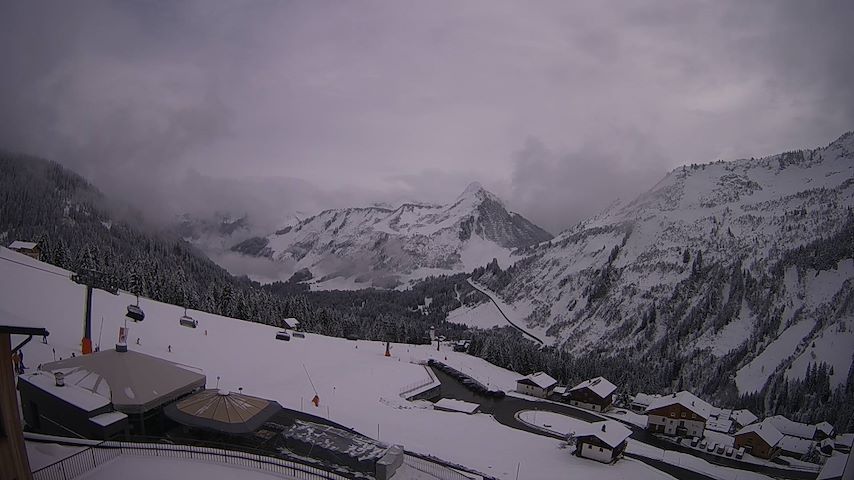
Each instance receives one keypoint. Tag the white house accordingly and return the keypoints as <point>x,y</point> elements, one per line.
<point>682,414</point>
<point>601,441</point>
<point>538,384</point>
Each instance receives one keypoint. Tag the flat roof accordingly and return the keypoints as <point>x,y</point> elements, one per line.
<point>456,405</point>
<point>136,382</point>
<point>108,418</point>
<point>81,398</point>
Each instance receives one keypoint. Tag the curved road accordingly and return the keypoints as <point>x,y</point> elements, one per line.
<point>491,298</point>
<point>504,410</point>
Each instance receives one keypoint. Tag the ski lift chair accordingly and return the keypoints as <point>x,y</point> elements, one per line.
<point>188,321</point>
<point>135,313</point>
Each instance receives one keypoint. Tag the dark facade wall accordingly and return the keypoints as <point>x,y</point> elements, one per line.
<point>587,396</point>
<point>45,413</point>
<point>754,444</point>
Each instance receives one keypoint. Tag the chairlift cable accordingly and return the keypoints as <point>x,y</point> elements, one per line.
<point>309,379</point>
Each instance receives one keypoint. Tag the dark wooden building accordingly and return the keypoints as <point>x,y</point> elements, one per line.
<point>759,439</point>
<point>30,249</point>
<point>595,394</point>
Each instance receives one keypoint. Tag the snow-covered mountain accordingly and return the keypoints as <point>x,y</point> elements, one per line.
<point>744,266</point>
<point>380,246</point>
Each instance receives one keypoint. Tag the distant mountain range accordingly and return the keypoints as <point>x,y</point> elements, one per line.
<point>382,246</point>
<point>744,267</point>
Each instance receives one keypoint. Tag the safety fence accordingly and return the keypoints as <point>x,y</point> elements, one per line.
<point>414,388</point>
<point>94,456</point>
<point>436,470</point>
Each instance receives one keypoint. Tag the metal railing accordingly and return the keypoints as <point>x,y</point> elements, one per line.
<point>436,470</point>
<point>92,457</point>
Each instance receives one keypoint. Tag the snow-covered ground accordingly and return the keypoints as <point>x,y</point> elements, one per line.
<point>551,421</point>
<point>357,385</point>
<point>131,467</point>
<point>485,315</point>
<point>44,454</point>
<point>516,313</point>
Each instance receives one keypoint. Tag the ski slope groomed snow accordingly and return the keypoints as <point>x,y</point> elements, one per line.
<point>357,385</point>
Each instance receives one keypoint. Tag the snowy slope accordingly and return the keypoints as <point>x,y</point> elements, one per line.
<point>381,246</point>
<point>358,386</point>
<point>629,281</point>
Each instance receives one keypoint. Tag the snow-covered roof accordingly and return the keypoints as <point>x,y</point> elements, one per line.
<point>17,244</point>
<point>457,405</point>
<point>834,467</point>
<point>611,432</point>
<point>136,382</point>
<point>559,390</point>
<point>744,417</point>
<point>844,440</point>
<point>719,424</point>
<point>79,397</point>
<point>687,400</point>
<point>645,399</point>
<point>291,322</point>
<point>766,431</point>
<point>108,418</point>
<point>825,427</point>
<point>791,427</point>
<point>795,444</point>
<point>599,385</point>
<point>540,379</point>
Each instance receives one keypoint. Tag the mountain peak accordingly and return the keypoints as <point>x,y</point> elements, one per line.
<point>475,191</point>
<point>473,188</point>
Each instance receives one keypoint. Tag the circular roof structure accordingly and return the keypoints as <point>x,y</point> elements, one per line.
<point>222,411</point>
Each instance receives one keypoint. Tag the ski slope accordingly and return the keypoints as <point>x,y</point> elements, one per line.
<point>357,385</point>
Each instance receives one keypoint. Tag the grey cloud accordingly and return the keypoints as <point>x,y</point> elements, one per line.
<point>556,189</point>
<point>185,105</point>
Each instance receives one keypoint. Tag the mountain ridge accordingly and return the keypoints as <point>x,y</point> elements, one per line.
<point>381,247</point>
<point>708,269</point>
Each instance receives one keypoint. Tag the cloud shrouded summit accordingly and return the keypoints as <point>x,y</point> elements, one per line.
<point>558,108</point>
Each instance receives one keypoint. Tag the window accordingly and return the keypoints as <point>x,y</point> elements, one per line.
<point>683,415</point>
<point>600,449</point>
<point>673,414</point>
<point>589,446</point>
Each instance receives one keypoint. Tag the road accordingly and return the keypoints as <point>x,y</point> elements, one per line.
<point>504,411</point>
<point>492,299</point>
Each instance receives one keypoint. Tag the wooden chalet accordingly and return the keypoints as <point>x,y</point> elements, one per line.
<point>601,441</point>
<point>680,414</point>
<point>30,249</point>
<point>538,384</point>
<point>759,439</point>
<point>595,394</point>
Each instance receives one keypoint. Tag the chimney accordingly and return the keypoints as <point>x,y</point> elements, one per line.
<point>60,379</point>
<point>603,427</point>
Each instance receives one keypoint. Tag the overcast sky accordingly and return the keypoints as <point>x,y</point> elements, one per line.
<point>558,107</point>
